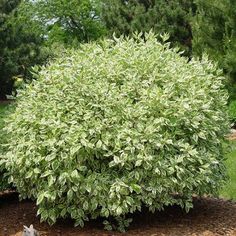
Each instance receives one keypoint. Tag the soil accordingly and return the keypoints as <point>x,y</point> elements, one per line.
<point>209,217</point>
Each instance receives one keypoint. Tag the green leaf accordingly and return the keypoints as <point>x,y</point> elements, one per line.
<point>85,205</point>
<point>70,195</point>
<point>99,144</point>
<point>80,223</point>
<point>119,210</point>
<point>138,163</point>
<point>136,188</point>
<point>40,198</point>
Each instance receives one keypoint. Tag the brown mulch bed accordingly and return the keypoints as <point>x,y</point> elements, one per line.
<point>210,217</point>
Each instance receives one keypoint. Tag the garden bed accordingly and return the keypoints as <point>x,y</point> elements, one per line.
<point>210,217</point>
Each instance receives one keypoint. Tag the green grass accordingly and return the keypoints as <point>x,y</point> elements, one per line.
<point>2,108</point>
<point>229,191</point>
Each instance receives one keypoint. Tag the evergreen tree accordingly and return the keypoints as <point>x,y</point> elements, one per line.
<point>173,17</point>
<point>19,47</point>
<point>214,33</point>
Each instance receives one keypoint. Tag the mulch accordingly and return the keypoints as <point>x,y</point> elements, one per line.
<point>209,217</point>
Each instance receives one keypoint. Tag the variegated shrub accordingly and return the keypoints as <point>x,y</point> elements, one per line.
<point>118,125</point>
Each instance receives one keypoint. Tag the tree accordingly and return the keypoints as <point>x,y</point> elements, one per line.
<point>214,34</point>
<point>19,47</point>
<point>173,17</point>
<point>68,22</point>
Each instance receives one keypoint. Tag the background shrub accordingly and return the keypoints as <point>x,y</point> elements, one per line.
<point>213,30</point>
<point>116,125</point>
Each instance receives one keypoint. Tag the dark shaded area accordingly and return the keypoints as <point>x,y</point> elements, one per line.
<point>19,48</point>
<point>172,17</point>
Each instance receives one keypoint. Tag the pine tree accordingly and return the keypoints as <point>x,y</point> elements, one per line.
<point>214,33</point>
<point>19,47</point>
<point>173,17</point>
<point>229,62</point>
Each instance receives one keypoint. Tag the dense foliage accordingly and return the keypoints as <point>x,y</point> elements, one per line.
<point>117,125</point>
<point>69,22</point>
<point>172,17</point>
<point>19,48</point>
<point>214,33</point>
<point>3,173</point>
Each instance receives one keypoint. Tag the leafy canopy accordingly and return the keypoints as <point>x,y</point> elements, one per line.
<point>69,22</point>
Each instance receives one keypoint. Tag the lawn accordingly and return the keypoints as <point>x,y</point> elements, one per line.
<point>229,191</point>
